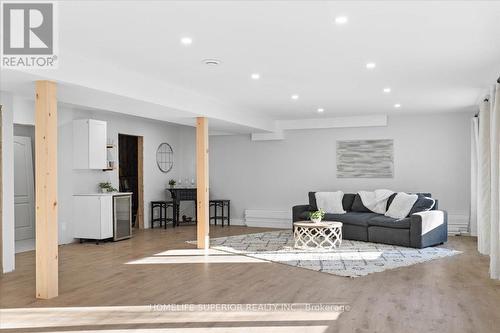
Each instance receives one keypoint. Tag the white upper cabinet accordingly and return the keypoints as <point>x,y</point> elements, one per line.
<point>89,144</point>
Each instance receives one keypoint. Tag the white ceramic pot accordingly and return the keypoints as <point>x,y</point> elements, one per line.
<point>316,220</point>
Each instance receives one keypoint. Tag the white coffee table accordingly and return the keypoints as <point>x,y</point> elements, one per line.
<point>322,235</point>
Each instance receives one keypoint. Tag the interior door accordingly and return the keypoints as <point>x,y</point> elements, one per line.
<point>24,189</point>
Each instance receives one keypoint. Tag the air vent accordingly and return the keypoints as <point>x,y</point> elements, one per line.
<point>211,62</point>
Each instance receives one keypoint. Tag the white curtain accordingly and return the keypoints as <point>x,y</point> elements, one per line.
<point>485,184</point>
<point>484,180</point>
<point>495,184</point>
<point>474,166</point>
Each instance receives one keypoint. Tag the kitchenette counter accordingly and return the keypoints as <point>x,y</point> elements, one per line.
<point>103,194</point>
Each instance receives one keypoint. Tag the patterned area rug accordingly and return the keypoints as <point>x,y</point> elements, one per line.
<point>352,258</point>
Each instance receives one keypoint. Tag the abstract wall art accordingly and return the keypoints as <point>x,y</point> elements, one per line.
<point>365,159</point>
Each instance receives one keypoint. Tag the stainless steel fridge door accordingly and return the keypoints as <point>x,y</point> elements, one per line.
<point>122,216</point>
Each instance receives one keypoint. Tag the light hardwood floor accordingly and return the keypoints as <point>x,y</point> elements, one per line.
<point>99,292</point>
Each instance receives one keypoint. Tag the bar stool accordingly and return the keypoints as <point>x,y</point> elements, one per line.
<point>162,206</point>
<point>224,204</point>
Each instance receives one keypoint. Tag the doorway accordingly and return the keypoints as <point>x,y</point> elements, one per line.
<point>24,188</point>
<point>130,168</point>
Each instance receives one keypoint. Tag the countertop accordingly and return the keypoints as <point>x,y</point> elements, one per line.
<point>103,194</point>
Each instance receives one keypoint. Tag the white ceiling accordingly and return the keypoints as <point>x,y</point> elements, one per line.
<point>436,56</point>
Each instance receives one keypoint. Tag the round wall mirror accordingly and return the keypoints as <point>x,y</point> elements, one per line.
<point>165,157</point>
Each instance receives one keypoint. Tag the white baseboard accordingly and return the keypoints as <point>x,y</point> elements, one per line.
<point>268,218</point>
<point>238,222</point>
<point>458,224</point>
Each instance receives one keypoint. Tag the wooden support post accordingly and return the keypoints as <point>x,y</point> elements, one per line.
<point>202,182</point>
<point>46,190</point>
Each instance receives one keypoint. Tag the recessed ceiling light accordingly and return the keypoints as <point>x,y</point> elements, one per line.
<point>186,41</point>
<point>321,110</point>
<point>295,97</point>
<point>387,90</point>
<point>371,65</point>
<point>255,76</point>
<point>341,19</point>
<point>397,106</point>
<point>211,62</point>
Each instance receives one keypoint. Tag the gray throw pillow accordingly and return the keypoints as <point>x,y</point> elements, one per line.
<point>422,204</point>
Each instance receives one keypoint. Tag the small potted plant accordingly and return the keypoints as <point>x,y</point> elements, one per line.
<point>172,183</point>
<point>107,187</point>
<point>317,216</point>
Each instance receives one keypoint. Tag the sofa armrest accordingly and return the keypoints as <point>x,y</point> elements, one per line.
<point>428,228</point>
<point>298,210</point>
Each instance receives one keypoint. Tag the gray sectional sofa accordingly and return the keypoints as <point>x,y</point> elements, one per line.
<point>418,230</point>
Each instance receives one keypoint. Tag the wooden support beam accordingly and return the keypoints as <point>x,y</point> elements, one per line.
<point>202,182</point>
<point>46,190</point>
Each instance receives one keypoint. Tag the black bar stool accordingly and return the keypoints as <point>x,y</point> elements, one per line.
<point>225,205</point>
<point>162,206</point>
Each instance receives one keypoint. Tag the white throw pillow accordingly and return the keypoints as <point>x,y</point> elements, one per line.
<point>401,205</point>
<point>330,202</point>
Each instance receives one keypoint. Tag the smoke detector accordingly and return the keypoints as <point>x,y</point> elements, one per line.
<point>211,62</point>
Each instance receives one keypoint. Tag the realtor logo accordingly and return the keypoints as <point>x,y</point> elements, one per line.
<point>28,35</point>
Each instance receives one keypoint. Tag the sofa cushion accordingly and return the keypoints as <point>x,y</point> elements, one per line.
<point>423,204</point>
<point>353,218</point>
<point>346,201</point>
<point>333,217</point>
<point>355,232</point>
<point>389,236</point>
<point>389,222</point>
<point>357,205</point>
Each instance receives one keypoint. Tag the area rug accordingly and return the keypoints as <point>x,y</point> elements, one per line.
<point>351,259</point>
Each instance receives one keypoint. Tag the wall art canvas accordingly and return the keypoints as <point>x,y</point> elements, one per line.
<point>365,159</point>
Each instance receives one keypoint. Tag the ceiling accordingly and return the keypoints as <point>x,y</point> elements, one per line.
<point>435,56</point>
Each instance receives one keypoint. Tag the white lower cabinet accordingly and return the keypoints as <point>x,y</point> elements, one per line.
<point>94,216</point>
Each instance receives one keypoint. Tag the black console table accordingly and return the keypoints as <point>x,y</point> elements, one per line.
<point>182,194</point>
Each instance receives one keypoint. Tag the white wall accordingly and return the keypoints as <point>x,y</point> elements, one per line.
<point>431,154</point>
<point>8,238</point>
